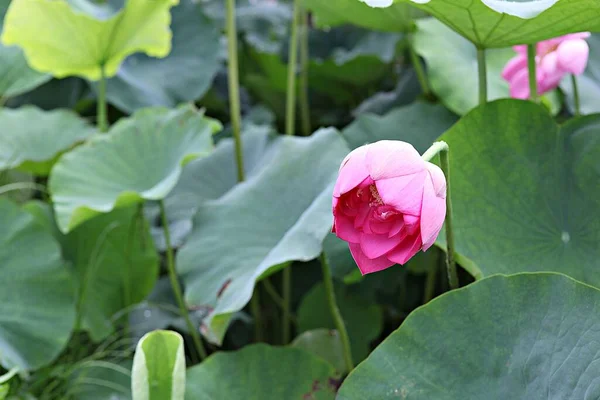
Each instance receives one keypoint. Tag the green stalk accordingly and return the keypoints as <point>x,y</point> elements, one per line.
<point>419,70</point>
<point>481,68</point>
<point>335,312</point>
<point>533,91</point>
<point>576,96</point>
<point>176,287</point>
<point>287,299</point>
<point>236,124</point>
<point>255,309</point>
<point>101,114</point>
<point>443,150</point>
<point>234,88</point>
<point>290,114</point>
<point>304,58</point>
<point>290,119</point>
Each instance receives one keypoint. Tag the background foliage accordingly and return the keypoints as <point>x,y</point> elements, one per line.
<point>90,219</point>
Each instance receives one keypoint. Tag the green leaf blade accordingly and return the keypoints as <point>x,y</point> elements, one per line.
<point>37,309</point>
<point>158,371</point>
<point>82,45</point>
<point>140,158</point>
<point>262,372</point>
<point>298,223</point>
<point>506,346</point>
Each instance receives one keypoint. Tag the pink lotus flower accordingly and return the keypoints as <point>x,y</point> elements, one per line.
<point>388,203</point>
<point>555,58</point>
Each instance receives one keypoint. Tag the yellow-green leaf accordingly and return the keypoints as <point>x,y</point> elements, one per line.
<point>80,44</point>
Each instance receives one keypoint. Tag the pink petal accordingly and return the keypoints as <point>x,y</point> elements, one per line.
<point>521,49</point>
<point>381,228</point>
<point>513,66</point>
<point>344,229</point>
<point>580,35</point>
<point>406,250</point>
<point>352,173</point>
<point>363,214</point>
<point>367,265</point>
<point>396,228</point>
<point>433,211</point>
<point>374,246</point>
<point>404,193</point>
<point>572,56</point>
<point>392,158</point>
<point>519,85</point>
<point>438,179</point>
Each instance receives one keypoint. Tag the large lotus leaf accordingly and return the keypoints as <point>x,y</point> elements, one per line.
<point>232,246</point>
<point>325,343</point>
<point>588,84</point>
<point>190,66</point>
<point>33,138</point>
<point>158,371</point>
<point>364,320</point>
<point>396,18</point>
<point>501,23</point>
<point>525,192</point>
<point>261,372</point>
<point>115,263</point>
<point>419,124</point>
<point>140,158</point>
<point>72,92</point>
<point>80,44</point>
<point>37,308</point>
<point>211,177</point>
<point>524,336</point>
<point>453,74</point>
<point>16,77</point>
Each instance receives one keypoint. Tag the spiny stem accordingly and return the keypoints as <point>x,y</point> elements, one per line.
<point>290,121</point>
<point>531,66</point>
<point>175,284</point>
<point>101,113</point>
<point>234,88</point>
<point>255,309</point>
<point>442,149</point>
<point>287,295</point>
<point>335,312</point>
<point>236,126</point>
<point>290,114</point>
<point>482,72</point>
<point>304,58</point>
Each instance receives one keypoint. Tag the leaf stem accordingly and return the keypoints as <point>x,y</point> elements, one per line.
<point>236,122</point>
<point>290,120</point>
<point>175,284</point>
<point>482,72</point>
<point>234,88</point>
<point>290,113</point>
<point>256,315</point>
<point>287,295</point>
<point>304,65</point>
<point>533,91</point>
<point>442,148</point>
<point>101,113</point>
<point>335,312</point>
<point>576,95</point>
<point>419,70</point>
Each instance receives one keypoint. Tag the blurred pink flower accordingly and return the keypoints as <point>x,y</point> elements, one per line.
<point>388,203</point>
<point>555,58</point>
